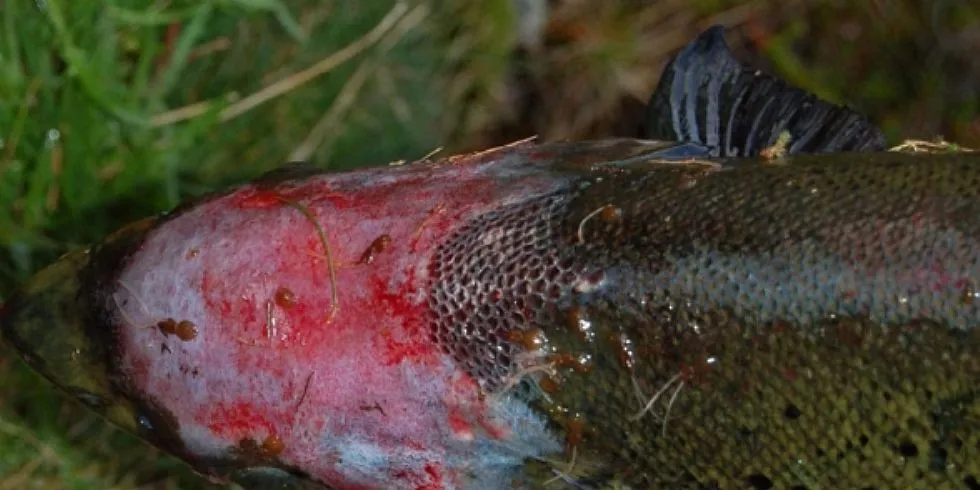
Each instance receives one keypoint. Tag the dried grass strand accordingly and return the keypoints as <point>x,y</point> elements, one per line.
<point>291,82</point>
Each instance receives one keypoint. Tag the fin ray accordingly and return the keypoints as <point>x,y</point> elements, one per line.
<point>708,97</point>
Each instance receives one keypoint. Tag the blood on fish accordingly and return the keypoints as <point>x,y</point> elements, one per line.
<point>435,476</point>
<point>460,426</point>
<point>236,420</point>
<point>259,199</point>
<point>416,346</point>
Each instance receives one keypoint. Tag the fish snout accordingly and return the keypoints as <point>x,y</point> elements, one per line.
<point>41,320</point>
<point>49,322</point>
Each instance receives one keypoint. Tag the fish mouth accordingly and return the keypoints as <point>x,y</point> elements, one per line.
<point>48,321</point>
<point>42,321</point>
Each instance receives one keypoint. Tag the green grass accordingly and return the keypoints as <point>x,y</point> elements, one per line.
<point>910,64</point>
<point>90,142</point>
<point>118,109</point>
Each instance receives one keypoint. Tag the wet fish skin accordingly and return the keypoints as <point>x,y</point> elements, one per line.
<point>257,392</point>
<point>223,399</point>
<point>754,295</point>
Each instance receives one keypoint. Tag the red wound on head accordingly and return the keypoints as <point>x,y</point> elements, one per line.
<point>237,420</point>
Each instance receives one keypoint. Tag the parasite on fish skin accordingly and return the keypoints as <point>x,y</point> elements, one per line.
<point>629,314</point>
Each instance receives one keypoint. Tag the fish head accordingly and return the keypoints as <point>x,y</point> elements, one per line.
<point>48,323</point>
<point>58,323</point>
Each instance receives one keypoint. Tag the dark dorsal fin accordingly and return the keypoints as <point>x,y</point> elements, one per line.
<point>707,97</point>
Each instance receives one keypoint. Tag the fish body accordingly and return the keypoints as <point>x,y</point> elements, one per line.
<point>601,314</point>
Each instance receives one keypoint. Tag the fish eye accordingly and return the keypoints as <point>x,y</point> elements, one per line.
<point>143,422</point>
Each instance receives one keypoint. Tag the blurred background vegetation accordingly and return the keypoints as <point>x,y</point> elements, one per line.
<point>118,109</point>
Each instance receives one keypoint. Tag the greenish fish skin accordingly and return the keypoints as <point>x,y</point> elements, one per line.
<point>809,322</point>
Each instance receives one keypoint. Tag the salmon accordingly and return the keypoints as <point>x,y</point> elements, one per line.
<point>755,296</point>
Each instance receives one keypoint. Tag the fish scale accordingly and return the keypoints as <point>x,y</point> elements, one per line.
<point>773,325</point>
